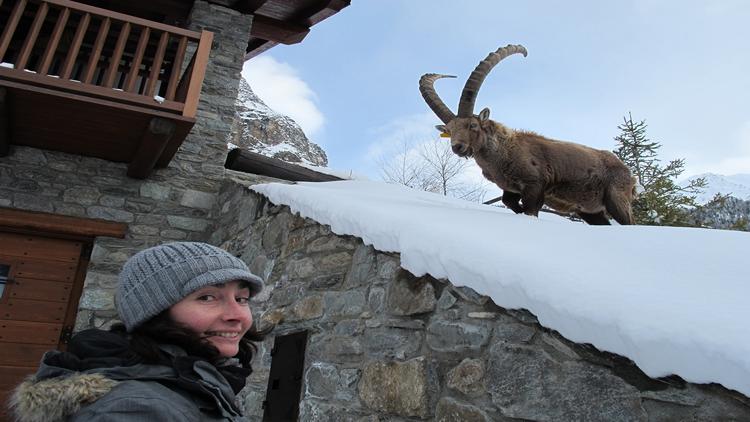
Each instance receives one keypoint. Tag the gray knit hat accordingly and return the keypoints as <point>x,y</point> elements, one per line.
<point>156,278</point>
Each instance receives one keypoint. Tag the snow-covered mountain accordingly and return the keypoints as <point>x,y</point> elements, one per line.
<point>732,213</point>
<point>736,185</point>
<point>259,129</point>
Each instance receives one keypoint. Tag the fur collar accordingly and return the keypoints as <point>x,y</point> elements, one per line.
<point>55,399</point>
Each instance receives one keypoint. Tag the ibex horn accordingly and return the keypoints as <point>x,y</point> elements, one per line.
<point>431,97</point>
<point>471,89</point>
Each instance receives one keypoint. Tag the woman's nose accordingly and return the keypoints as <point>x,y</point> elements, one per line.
<point>236,311</point>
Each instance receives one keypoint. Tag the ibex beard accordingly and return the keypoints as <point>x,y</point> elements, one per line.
<point>533,170</point>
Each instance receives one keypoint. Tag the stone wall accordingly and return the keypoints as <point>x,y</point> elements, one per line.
<point>172,204</point>
<point>385,345</point>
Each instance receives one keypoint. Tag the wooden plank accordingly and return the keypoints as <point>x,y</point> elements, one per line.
<point>20,354</point>
<point>35,289</point>
<point>97,11</point>
<point>41,269</point>
<point>32,310</point>
<point>77,124</point>
<point>114,59</point>
<point>75,46</point>
<point>11,376</point>
<point>31,36</point>
<point>279,31</point>
<point>176,68</point>
<point>10,27</point>
<point>72,311</point>
<point>135,65</point>
<point>153,76</point>
<point>152,145</point>
<point>39,247</point>
<point>59,87</point>
<point>251,162</point>
<point>49,52</point>
<point>96,52</point>
<point>197,75</point>
<point>29,333</point>
<point>60,224</point>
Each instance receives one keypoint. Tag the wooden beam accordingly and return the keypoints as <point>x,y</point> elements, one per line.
<point>197,73</point>
<point>257,46</point>
<point>248,6</point>
<point>279,31</point>
<point>153,142</point>
<point>4,128</point>
<point>32,221</point>
<point>251,162</point>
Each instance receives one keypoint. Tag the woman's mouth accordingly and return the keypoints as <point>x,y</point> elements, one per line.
<point>223,334</point>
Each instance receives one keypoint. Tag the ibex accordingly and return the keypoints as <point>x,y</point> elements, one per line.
<point>530,169</point>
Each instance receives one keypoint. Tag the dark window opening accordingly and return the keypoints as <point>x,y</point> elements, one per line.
<point>4,275</point>
<point>285,378</point>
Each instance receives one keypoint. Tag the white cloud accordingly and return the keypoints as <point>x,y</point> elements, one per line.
<point>279,85</point>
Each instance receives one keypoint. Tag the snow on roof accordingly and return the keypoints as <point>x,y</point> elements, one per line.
<point>674,300</point>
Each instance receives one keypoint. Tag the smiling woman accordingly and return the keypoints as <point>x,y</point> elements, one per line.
<point>182,352</point>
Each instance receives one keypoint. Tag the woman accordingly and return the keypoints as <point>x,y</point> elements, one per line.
<point>181,353</point>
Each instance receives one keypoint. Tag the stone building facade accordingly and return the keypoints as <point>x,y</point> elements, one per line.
<point>385,345</point>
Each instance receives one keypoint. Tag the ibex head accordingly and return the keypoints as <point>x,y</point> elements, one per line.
<point>466,128</point>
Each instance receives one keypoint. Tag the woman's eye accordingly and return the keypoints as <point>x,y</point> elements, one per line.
<point>243,300</point>
<point>206,298</point>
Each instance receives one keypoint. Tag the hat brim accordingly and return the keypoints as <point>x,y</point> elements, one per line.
<point>223,276</point>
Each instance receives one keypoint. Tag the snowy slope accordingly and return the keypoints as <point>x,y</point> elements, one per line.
<point>674,300</point>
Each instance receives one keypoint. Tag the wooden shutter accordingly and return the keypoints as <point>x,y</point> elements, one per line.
<point>37,301</point>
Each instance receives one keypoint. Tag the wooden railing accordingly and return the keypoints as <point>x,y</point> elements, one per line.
<point>85,49</point>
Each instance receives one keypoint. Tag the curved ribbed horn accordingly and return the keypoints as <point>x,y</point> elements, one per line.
<point>471,89</point>
<point>431,97</point>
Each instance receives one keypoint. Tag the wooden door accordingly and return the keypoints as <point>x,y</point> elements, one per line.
<point>39,288</point>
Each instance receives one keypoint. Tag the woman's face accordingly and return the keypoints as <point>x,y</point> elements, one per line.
<point>220,314</point>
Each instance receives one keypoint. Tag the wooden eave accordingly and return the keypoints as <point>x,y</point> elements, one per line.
<point>275,21</point>
<point>53,224</point>
<point>245,161</point>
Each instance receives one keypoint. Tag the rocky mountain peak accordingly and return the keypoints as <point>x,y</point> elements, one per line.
<point>259,129</point>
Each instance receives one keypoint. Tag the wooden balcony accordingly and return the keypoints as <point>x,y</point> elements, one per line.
<point>89,81</point>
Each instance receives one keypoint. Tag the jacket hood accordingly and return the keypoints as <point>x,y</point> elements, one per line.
<point>55,399</point>
<point>66,382</point>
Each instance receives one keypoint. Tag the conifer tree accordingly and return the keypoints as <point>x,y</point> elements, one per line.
<point>660,200</point>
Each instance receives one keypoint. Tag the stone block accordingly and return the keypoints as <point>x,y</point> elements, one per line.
<point>457,336</point>
<point>82,195</point>
<point>389,342</point>
<point>112,214</point>
<point>197,199</point>
<point>326,381</point>
<point>157,191</point>
<point>527,383</point>
<point>450,410</point>
<point>398,388</point>
<point>187,223</point>
<point>344,304</point>
<point>467,377</point>
<point>408,295</point>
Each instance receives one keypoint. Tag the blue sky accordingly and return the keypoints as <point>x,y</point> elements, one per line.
<point>683,66</point>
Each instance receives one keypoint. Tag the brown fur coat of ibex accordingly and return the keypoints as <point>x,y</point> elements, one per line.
<point>530,169</point>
